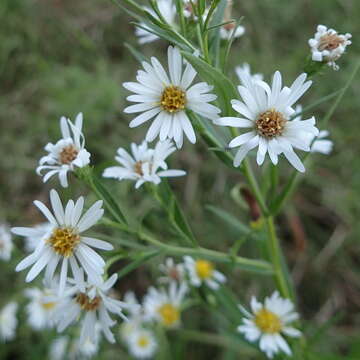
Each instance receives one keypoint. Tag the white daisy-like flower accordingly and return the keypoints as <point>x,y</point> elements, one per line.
<point>67,154</point>
<point>144,164</point>
<point>93,305</point>
<point>142,344</point>
<point>227,30</point>
<point>164,306</point>
<point>167,99</point>
<point>42,305</point>
<point>201,271</point>
<point>320,143</point>
<point>268,322</point>
<point>58,348</point>
<point>64,242</point>
<point>327,45</point>
<point>8,321</point>
<point>6,244</point>
<point>171,271</point>
<point>38,232</point>
<point>267,111</point>
<point>245,69</point>
<point>168,11</point>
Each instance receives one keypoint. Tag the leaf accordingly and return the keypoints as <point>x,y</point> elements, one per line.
<point>141,259</point>
<point>223,87</point>
<point>169,202</point>
<point>229,219</point>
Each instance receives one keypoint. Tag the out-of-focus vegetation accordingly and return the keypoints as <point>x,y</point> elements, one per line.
<point>59,57</point>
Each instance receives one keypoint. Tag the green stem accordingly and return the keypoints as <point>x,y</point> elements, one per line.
<point>217,256</point>
<point>276,257</point>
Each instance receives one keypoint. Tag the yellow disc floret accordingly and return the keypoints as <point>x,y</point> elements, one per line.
<point>204,269</point>
<point>267,321</point>
<point>173,99</point>
<point>169,314</point>
<point>64,241</point>
<point>270,123</point>
<point>143,341</point>
<point>86,303</point>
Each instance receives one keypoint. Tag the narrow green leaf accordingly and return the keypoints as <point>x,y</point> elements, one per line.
<point>223,87</point>
<point>229,219</point>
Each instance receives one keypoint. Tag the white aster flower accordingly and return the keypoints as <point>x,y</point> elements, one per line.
<point>227,30</point>
<point>268,322</point>
<point>58,348</point>
<point>327,45</point>
<point>8,321</point>
<point>67,154</point>
<point>267,111</point>
<point>203,272</point>
<point>167,99</point>
<point>42,306</point>
<point>245,69</point>
<point>171,271</point>
<point>142,344</point>
<point>168,11</point>
<point>64,242</point>
<point>6,244</point>
<point>92,304</point>
<point>317,143</point>
<point>164,306</point>
<point>144,164</point>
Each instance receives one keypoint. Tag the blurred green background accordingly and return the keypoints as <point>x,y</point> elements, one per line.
<point>60,57</point>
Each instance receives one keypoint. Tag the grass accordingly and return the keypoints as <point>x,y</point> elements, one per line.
<point>61,57</point>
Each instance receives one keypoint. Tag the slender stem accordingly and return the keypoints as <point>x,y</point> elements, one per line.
<point>255,186</point>
<point>276,259</point>
<point>218,256</point>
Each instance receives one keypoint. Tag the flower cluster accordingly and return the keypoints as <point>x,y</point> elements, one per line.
<point>76,287</point>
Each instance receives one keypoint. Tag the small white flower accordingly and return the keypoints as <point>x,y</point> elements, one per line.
<point>142,344</point>
<point>92,304</point>
<point>202,271</point>
<point>317,143</point>
<point>168,11</point>
<point>267,111</point>
<point>8,321</point>
<point>226,31</point>
<point>144,165</point>
<point>58,348</point>
<point>6,244</point>
<point>327,45</point>
<point>42,306</point>
<point>245,69</point>
<point>38,232</point>
<point>165,306</point>
<point>64,243</point>
<point>67,154</point>
<point>268,322</point>
<point>171,271</point>
<point>167,99</point>
<point>188,9</point>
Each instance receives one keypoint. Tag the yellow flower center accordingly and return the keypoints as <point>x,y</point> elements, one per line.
<point>173,99</point>
<point>330,42</point>
<point>48,306</point>
<point>68,154</point>
<point>64,241</point>
<point>204,269</point>
<point>86,303</point>
<point>170,315</point>
<point>268,322</point>
<point>143,341</point>
<point>270,123</point>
